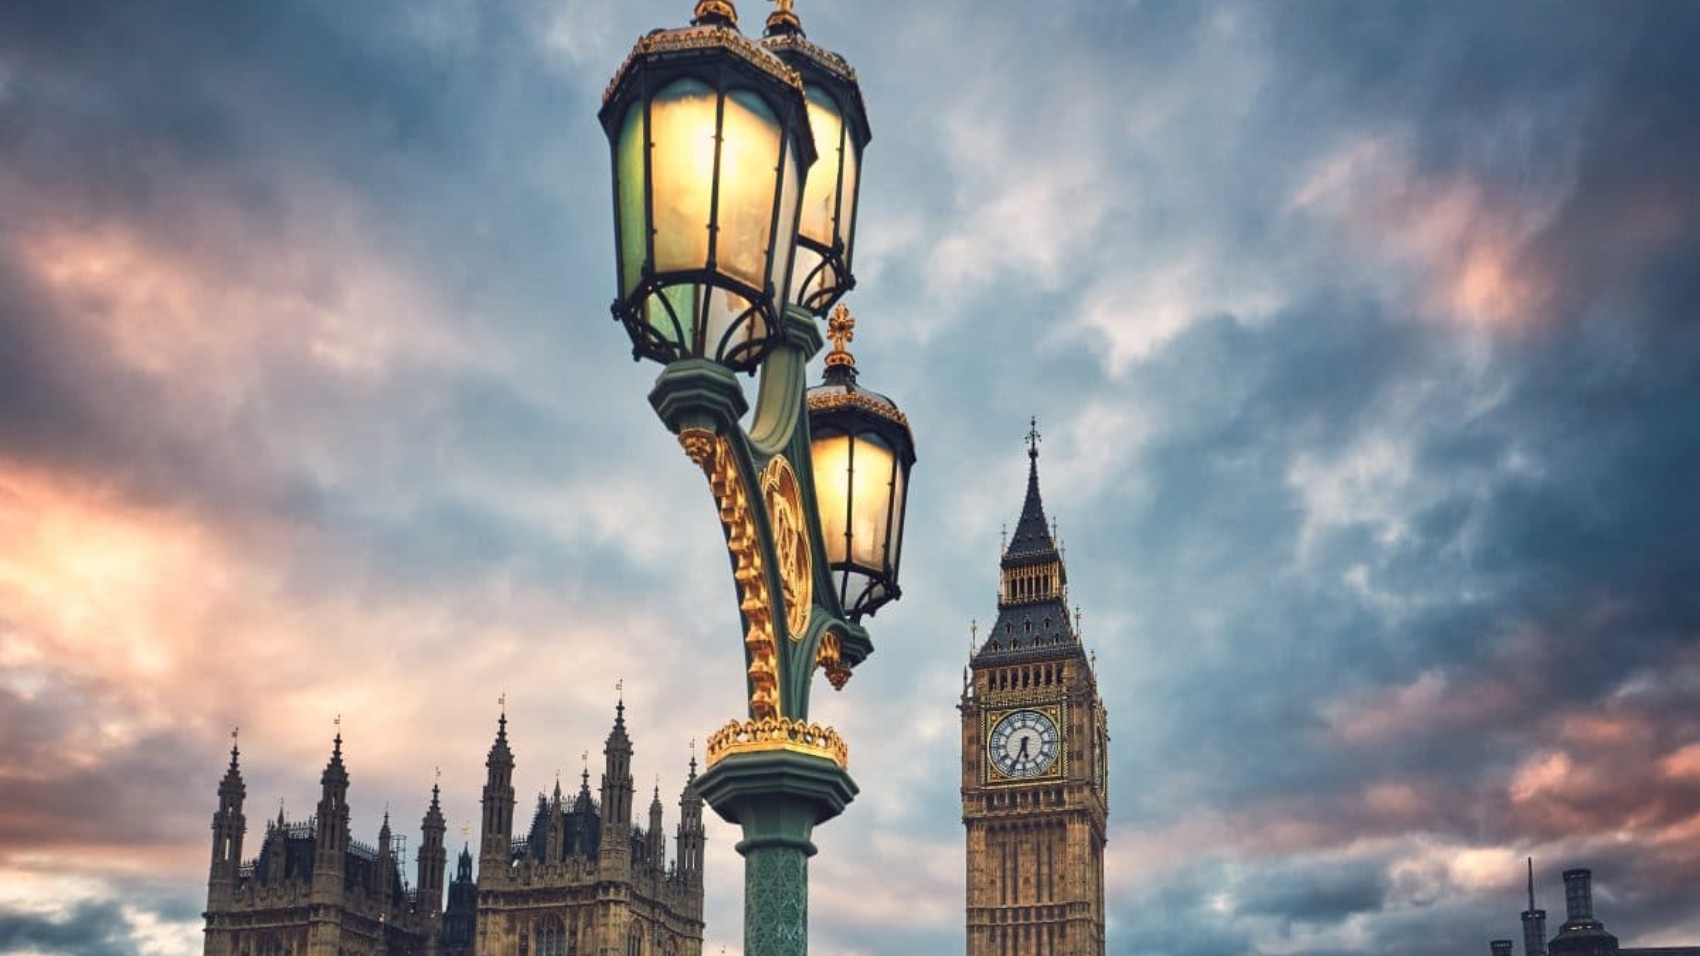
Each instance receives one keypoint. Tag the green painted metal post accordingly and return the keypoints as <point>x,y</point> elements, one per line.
<point>778,797</point>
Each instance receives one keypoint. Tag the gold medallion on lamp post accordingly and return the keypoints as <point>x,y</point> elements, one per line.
<point>784,500</point>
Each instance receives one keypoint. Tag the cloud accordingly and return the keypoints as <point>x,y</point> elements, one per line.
<point>1358,336</point>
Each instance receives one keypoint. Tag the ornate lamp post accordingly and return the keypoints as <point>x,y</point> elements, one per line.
<point>735,183</point>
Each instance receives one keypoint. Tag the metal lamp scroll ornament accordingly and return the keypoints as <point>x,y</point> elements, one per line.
<point>735,172</point>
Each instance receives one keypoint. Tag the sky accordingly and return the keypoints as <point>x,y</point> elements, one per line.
<point>1361,336</point>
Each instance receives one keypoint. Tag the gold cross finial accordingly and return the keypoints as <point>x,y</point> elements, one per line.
<point>465,830</point>
<point>233,732</point>
<point>1033,437</point>
<point>841,329</point>
<point>620,687</point>
<point>439,775</point>
<point>502,701</point>
<point>338,722</point>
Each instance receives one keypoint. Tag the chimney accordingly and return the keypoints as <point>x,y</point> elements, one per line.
<point>1501,947</point>
<point>1578,894</point>
<point>1534,921</point>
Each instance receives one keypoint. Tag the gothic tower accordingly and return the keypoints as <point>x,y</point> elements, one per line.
<point>691,835</point>
<point>1035,741</point>
<point>498,803</point>
<point>433,862</point>
<point>614,857</point>
<point>330,857</point>
<point>228,826</point>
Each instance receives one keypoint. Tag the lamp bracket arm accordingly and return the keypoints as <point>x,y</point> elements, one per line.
<point>779,403</point>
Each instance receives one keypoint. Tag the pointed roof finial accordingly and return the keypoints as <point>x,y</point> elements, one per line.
<point>783,20</point>
<point>585,757</point>
<point>715,12</point>
<point>973,634</point>
<point>1531,884</point>
<point>336,749</point>
<point>1033,437</point>
<point>841,329</point>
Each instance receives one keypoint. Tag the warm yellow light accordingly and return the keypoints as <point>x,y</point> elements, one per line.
<point>681,127</point>
<point>820,193</point>
<point>853,487</point>
<point>749,167</point>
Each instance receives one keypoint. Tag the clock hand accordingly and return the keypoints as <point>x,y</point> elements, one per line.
<point>1023,751</point>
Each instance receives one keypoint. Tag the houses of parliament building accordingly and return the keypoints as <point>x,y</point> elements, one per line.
<point>582,880</point>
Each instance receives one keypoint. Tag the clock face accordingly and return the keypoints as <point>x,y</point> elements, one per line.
<point>1023,744</point>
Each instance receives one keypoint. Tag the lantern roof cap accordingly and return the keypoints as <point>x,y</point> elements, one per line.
<point>785,37</point>
<point>838,387</point>
<point>708,34</point>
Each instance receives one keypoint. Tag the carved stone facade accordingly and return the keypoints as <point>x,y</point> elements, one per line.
<point>583,880</point>
<point>1035,763</point>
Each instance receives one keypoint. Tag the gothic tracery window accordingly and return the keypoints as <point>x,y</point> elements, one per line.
<point>551,937</point>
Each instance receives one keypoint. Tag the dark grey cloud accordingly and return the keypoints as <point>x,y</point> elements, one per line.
<point>89,929</point>
<point>1517,551</point>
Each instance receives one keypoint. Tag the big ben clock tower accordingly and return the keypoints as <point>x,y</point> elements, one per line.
<point>1035,761</point>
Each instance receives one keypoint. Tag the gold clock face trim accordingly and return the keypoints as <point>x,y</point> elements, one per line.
<point>784,499</point>
<point>1024,744</point>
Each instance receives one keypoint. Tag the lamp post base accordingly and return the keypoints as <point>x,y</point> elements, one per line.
<point>777,797</point>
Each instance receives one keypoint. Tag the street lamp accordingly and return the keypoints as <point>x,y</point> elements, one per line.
<point>714,140</point>
<point>711,140</point>
<point>862,451</point>
<point>839,120</point>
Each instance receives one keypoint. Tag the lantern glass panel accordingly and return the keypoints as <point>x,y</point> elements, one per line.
<point>831,454</point>
<point>847,201</point>
<point>749,164</point>
<point>872,469</point>
<point>898,493</point>
<point>820,195</point>
<point>789,187</point>
<point>633,221</point>
<point>681,125</point>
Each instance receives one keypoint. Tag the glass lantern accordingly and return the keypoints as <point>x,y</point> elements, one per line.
<point>711,143</point>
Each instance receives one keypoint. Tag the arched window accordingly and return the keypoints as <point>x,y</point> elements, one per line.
<point>551,937</point>
<point>634,941</point>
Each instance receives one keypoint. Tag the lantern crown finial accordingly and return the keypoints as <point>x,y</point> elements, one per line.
<point>783,20</point>
<point>841,329</point>
<point>715,12</point>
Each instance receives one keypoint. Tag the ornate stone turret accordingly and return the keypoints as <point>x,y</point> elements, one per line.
<point>433,858</point>
<point>657,834</point>
<point>498,801</point>
<point>385,871</point>
<point>228,828</point>
<point>330,857</point>
<point>691,834</point>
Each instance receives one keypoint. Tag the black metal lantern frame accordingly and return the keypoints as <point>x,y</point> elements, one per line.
<point>830,86</point>
<point>726,303</point>
<point>862,451</point>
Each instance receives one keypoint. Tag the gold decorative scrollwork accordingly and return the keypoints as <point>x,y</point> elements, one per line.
<point>784,500</point>
<point>713,454</point>
<point>777,733</point>
<point>830,659</point>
